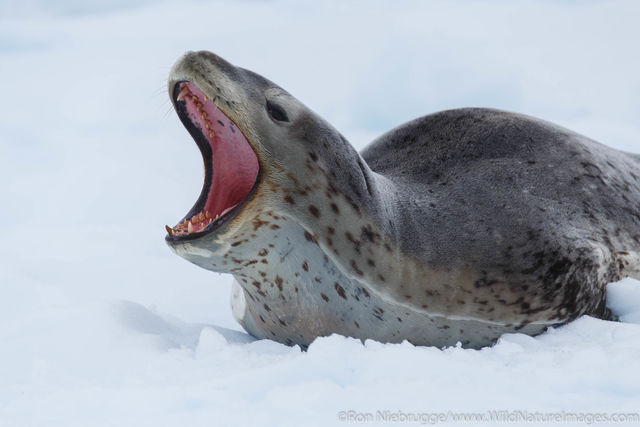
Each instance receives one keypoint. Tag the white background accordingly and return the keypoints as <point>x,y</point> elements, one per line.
<point>100,324</point>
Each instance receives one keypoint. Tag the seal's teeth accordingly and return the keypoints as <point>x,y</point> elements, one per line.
<point>169,230</point>
<point>206,214</point>
<point>190,227</point>
<point>211,134</point>
<point>201,217</point>
<point>184,91</point>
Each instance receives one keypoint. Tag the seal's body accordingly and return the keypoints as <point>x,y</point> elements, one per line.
<point>458,226</point>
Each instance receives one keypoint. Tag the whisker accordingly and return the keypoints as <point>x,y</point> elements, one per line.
<point>166,114</point>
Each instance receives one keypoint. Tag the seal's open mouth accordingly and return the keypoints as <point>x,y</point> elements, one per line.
<point>231,166</point>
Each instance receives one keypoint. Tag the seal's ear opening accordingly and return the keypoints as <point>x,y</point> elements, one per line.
<point>276,112</point>
<point>231,165</point>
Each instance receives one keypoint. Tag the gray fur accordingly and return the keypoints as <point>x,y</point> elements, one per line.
<point>458,226</point>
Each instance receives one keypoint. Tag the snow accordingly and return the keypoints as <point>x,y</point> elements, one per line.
<point>101,325</point>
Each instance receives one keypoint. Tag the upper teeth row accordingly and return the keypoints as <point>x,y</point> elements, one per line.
<point>184,91</point>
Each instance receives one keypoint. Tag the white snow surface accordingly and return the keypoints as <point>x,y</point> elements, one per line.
<point>101,325</point>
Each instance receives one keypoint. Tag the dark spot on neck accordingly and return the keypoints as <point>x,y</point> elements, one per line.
<point>340,290</point>
<point>310,237</point>
<point>355,267</point>
<point>314,211</point>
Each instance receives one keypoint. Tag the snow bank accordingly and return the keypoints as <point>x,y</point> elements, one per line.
<point>120,363</point>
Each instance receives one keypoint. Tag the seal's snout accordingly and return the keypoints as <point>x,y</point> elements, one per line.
<point>212,59</point>
<point>203,63</point>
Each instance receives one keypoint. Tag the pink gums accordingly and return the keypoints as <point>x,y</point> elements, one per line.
<point>235,165</point>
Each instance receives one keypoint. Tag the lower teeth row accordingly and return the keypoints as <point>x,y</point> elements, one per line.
<point>197,222</point>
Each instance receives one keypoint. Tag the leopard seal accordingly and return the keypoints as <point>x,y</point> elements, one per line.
<point>458,226</point>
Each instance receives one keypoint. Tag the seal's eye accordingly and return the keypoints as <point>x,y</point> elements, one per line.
<point>276,112</point>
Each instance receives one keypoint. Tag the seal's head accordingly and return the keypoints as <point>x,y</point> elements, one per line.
<point>261,147</point>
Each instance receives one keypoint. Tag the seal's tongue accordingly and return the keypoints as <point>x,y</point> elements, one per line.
<point>234,164</point>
